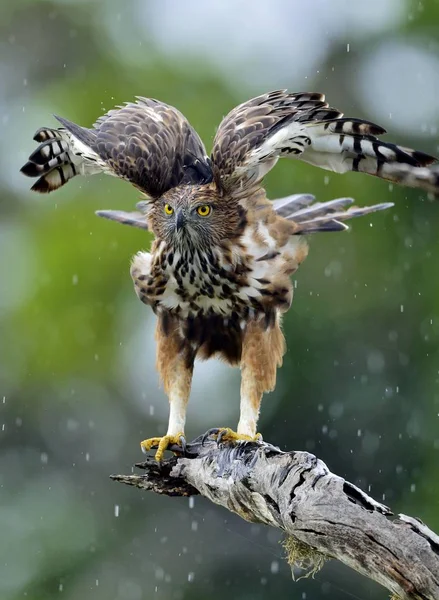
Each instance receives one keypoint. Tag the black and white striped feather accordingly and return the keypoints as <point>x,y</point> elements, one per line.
<point>147,142</point>
<point>152,145</point>
<point>56,160</point>
<point>254,135</point>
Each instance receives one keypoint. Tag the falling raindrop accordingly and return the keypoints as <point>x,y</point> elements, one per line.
<point>274,567</point>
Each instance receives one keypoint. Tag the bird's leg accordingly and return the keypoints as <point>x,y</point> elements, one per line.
<point>175,433</point>
<point>251,398</point>
<point>262,353</point>
<point>175,369</point>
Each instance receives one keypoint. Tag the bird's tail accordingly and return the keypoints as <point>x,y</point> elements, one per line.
<point>314,217</point>
<point>53,162</point>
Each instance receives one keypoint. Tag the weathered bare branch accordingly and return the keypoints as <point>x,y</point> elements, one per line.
<point>296,492</point>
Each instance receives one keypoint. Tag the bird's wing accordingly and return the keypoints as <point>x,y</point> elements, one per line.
<point>254,135</point>
<point>149,143</point>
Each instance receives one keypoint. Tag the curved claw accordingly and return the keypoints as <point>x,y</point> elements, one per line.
<point>225,434</point>
<point>209,432</point>
<point>162,444</point>
<point>183,444</point>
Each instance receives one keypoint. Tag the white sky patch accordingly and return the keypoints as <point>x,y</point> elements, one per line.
<point>258,43</point>
<point>398,84</point>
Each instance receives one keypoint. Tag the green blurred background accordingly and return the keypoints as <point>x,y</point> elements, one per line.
<point>78,388</point>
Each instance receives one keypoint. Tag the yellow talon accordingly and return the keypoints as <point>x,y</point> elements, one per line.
<point>228,435</point>
<point>162,444</point>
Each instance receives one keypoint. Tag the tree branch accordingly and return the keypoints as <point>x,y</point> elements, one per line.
<point>296,492</point>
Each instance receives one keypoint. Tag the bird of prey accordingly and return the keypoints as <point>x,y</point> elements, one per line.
<point>218,275</point>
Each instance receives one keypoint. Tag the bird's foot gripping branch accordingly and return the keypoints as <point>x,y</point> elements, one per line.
<point>320,511</point>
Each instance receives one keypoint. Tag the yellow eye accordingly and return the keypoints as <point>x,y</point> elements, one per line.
<point>204,210</point>
<point>168,209</point>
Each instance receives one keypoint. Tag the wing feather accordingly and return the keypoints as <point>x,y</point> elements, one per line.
<point>147,142</point>
<point>285,206</point>
<point>254,135</point>
<point>134,218</point>
<point>312,217</point>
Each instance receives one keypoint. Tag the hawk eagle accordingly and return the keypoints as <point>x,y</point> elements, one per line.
<point>218,275</point>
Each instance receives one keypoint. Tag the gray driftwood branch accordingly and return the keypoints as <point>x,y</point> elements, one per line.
<point>297,493</point>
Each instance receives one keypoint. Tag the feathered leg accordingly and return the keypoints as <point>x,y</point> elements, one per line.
<point>262,354</point>
<point>175,368</point>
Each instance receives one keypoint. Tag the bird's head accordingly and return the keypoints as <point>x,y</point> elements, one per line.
<point>194,216</point>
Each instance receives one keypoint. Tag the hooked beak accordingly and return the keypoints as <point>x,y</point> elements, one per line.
<point>179,223</point>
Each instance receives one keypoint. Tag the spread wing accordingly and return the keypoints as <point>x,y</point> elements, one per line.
<point>148,143</point>
<point>254,135</point>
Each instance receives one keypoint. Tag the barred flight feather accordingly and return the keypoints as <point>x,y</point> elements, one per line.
<point>254,135</point>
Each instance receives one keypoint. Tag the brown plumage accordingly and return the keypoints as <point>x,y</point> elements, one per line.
<point>218,275</point>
